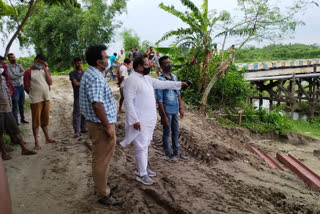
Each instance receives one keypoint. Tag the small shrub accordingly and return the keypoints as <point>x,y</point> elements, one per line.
<point>260,120</point>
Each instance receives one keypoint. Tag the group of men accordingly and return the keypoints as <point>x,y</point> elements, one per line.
<point>150,54</point>
<point>15,81</point>
<point>98,107</point>
<point>95,110</point>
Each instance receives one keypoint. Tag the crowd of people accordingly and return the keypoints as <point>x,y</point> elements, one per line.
<point>95,110</point>
<point>15,81</point>
<point>140,94</point>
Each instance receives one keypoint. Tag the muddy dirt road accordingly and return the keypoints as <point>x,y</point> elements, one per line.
<point>220,177</point>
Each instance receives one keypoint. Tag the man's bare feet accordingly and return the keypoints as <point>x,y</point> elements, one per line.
<point>28,152</point>
<point>37,147</point>
<point>51,140</point>
<point>6,156</point>
<point>77,134</point>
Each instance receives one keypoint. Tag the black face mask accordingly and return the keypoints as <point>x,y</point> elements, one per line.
<point>146,71</point>
<point>77,67</point>
<point>168,68</point>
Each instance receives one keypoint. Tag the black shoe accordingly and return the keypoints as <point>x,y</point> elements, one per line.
<point>110,200</point>
<point>113,189</point>
<point>24,121</point>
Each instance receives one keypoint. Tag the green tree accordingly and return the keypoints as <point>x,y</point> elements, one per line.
<point>278,52</point>
<point>144,45</point>
<point>22,18</point>
<point>130,40</point>
<point>6,10</point>
<point>61,41</point>
<point>261,20</point>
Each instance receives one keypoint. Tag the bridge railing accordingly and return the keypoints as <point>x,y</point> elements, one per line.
<point>279,64</point>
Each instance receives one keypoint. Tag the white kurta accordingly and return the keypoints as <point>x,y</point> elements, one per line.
<point>140,105</point>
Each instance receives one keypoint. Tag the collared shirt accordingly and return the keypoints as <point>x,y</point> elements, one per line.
<point>75,75</point>
<point>95,88</point>
<point>168,97</point>
<point>16,74</point>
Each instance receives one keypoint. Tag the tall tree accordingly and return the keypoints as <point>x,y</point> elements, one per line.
<point>95,23</point>
<point>130,40</point>
<point>31,5</point>
<point>261,19</point>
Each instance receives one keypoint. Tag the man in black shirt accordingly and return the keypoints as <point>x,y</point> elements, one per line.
<point>79,121</point>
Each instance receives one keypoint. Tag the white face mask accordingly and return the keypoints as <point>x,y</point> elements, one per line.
<point>1,70</point>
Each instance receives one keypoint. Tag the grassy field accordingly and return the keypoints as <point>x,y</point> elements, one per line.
<point>306,128</point>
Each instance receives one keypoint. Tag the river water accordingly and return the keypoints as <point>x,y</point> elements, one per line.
<point>296,115</point>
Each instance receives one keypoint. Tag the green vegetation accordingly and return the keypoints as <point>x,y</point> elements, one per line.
<point>260,20</point>
<point>6,10</point>
<point>307,128</point>
<point>262,121</point>
<point>61,41</point>
<point>259,120</point>
<point>277,52</point>
<point>67,71</point>
<point>26,62</point>
<point>24,9</point>
<point>131,40</point>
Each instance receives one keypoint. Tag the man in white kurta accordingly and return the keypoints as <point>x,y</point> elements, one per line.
<point>141,114</point>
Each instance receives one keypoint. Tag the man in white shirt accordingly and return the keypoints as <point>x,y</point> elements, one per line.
<point>123,76</point>
<point>141,113</point>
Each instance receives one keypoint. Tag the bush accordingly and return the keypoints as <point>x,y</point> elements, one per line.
<point>263,121</point>
<point>26,62</point>
<point>66,72</point>
<point>260,120</point>
<point>230,91</point>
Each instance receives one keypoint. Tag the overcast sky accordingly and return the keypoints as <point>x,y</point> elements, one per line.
<point>150,22</point>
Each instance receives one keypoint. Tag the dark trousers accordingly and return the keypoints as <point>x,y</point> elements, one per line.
<point>173,131</point>
<point>79,121</point>
<point>18,98</point>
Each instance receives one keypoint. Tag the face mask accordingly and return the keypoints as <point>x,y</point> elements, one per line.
<point>37,66</point>
<point>13,61</point>
<point>77,67</point>
<point>1,70</point>
<point>105,68</point>
<point>146,71</point>
<point>168,68</point>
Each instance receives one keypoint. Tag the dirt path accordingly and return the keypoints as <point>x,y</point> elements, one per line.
<point>220,177</point>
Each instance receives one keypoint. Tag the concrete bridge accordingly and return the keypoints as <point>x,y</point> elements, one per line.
<point>289,82</point>
<point>281,69</point>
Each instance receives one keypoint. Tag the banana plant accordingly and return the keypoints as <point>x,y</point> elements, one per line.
<point>261,21</point>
